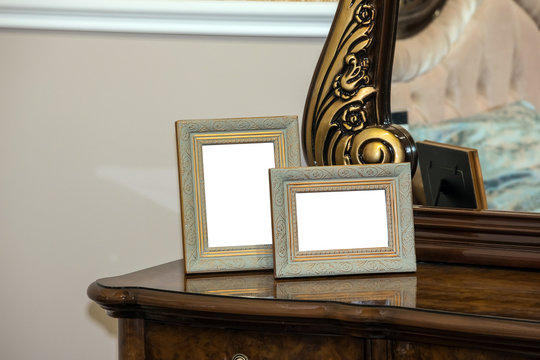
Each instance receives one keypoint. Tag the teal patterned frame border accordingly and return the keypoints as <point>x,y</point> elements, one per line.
<point>394,179</point>
<point>191,135</point>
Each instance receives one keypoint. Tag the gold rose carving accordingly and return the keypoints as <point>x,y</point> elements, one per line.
<point>347,113</point>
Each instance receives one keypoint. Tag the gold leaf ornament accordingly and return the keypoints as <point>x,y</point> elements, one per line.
<point>347,111</point>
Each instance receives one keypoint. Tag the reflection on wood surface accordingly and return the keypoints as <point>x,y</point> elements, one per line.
<point>390,291</point>
<point>381,290</point>
<point>245,285</point>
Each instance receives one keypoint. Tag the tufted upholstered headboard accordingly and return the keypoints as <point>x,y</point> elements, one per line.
<point>475,56</point>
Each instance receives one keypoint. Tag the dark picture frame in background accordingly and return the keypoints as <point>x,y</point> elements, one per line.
<point>451,176</point>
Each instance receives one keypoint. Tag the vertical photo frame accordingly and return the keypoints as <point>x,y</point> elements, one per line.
<point>224,198</point>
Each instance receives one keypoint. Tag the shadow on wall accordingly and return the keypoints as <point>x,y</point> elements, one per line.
<point>99,316</point>
<point>159,184</point>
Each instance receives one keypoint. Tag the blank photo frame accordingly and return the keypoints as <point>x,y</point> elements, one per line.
<point>337,220</point>
<point>224,198</point>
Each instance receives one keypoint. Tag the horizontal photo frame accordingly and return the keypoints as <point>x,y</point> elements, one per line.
<point>338,220</point>
<point>224,199</point>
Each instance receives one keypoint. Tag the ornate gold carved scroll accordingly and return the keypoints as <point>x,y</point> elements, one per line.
<point>347,112</point>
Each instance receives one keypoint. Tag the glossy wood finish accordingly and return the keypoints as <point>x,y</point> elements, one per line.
<point>479,237</point>
<point>474,312</point>
<point>404,350</point>
<point>173,341</point>
<point>131,338</point>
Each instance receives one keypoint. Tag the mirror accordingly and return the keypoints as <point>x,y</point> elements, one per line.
<point>224,199</point>
<point>465,81</point>
<point>506,140</point>
<point>415,15</point>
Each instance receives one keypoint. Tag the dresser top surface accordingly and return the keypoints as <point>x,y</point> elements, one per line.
<point>457,289</point>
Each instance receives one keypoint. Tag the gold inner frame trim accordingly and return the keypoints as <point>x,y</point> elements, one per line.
<point>393,297</point>
<point>389,185</point>
<point>241,137</point>
<point>235,292</point>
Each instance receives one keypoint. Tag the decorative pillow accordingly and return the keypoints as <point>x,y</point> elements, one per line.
<point>508,144</point>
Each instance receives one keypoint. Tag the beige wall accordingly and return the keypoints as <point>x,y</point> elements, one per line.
<point>88,184</point>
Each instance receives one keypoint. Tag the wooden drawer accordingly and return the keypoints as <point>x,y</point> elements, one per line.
<point>175,342</point>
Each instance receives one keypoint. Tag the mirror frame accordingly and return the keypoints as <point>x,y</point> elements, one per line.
<point>477,237</point>
<point>191,135</point>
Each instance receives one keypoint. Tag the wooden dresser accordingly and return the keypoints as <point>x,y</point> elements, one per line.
<point>440,312</point>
